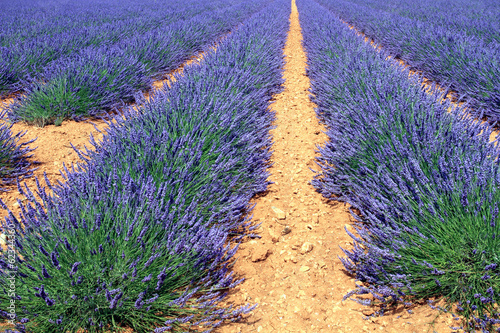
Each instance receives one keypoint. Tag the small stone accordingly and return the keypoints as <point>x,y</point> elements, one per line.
<point>259,329</point>
<point>286,230</point>
<point>260,254</point>
<point>279,213</point>
<point>306,247</point>
<point>304,269</point>
<point>301,293</point>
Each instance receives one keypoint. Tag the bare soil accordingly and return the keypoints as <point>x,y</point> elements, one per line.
<point>293,272</point>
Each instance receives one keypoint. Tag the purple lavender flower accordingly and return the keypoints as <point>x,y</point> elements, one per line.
<point>45,273</point>
<point>115,300</point>
<point>138,303</point>
<point>42,249</point>
<point>55,262</point>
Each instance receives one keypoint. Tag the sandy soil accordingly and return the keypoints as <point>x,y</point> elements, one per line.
<point>293,271</point>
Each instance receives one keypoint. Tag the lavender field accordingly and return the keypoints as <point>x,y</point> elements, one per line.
<point>142,234</point>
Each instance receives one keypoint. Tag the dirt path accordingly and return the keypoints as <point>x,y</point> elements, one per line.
<point>296,277</point>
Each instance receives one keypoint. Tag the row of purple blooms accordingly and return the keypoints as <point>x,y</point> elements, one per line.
<point>456,44</point>
<point>421,176</point>
<point>14,155</point>
<point>34,33</point>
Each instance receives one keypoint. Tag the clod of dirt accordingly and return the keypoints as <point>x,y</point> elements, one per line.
<point>273,235</point>
<point>260,254</point>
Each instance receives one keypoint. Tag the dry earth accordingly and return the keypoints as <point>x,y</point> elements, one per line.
<point>293,272</point>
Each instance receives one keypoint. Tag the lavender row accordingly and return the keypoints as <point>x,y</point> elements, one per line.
<point>23,57</point>
<point>144,232</point>
<point>97,80</point>
<point>423,183</point>
<point>452,56</point>
<point>478,19</point>
<point>26,21</point>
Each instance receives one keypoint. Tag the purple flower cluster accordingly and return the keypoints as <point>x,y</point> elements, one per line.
<point>457,43</point>
<point>14,163</point>
<point>423,182</point>
<point>143,233</point>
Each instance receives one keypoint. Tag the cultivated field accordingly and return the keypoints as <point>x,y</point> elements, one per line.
<point>250,166</point>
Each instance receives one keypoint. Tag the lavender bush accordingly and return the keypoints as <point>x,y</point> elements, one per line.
<point>11,73</point>
<point>457,44</point>
<point>92,82</point>
<point>425,181</point>
<point>143,233</point>
<point>14,156</point>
